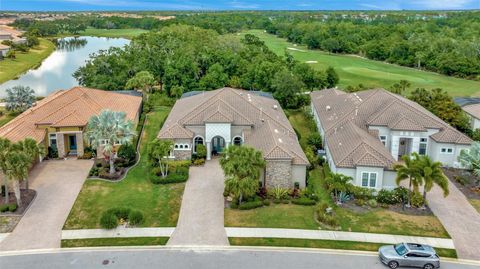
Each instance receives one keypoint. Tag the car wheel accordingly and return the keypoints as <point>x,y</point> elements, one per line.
<point>393,264</point>
<point>428,266</point>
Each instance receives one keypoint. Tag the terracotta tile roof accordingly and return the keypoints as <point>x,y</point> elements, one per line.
<point>270,131</point>
<point>473,109</point>
<point>346,118</point>
<point>68,108</point>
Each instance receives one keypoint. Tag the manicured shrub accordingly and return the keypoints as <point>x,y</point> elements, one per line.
<point>277,201</point>
<point>388,197</point>
<point>278,193</point>
<point>417,199</point>
<point>94,172</point>
<point>322,208</point>
<point>128,153</point>
<point>359,202</point>
<point>285,201</point>
<point>135,217</point>
<point>315,140</point>
<point>304,201</point>
<point>266,202</point>
<point>174,165</point>
<point>120,212</point>
<point>199,162</point>
<point>234,204</point>
<point>12,207</point>
<point>361,192</point>
<point>401,193</point>
<point>201,151</point>
<point>250,205</point>
<point>52,153</point>
<point>3,208</point>
<point>170,178</point>
<point>108,220</point>
<point>328,219</point>
<point>372,203</point>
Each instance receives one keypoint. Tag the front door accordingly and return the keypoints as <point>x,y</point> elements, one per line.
<point>72,139</point>
<point>218,144</point>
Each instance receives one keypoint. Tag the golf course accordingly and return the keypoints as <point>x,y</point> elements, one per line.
<point>354,70</point>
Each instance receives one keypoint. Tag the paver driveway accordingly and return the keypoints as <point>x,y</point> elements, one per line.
<point>459,218</point>
<point>57,184</point>
<point>201,214</point>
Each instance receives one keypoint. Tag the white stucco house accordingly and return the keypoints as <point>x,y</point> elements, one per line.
<point>224,117</point>
<point>365,134</point>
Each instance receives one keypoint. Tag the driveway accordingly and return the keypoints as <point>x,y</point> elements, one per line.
<point>201,214</point>
<point>57,184</point>
<point>459,218</point>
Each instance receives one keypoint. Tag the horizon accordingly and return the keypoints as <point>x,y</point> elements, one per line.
<point>234,5</point>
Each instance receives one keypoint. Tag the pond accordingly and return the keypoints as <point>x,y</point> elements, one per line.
<point>55,72</point>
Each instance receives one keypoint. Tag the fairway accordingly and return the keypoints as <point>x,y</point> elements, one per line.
<point>116,33</point>
<point>354,69</point>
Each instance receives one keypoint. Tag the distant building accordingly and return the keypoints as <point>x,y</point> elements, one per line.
<point>471,106</point>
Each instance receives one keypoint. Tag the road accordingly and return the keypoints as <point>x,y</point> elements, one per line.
<point>198,258</point>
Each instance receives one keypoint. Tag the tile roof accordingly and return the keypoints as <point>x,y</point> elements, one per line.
<point>473,109</point>
<point>68,108</point>
<point>346,117</point>
<point>270,131</point>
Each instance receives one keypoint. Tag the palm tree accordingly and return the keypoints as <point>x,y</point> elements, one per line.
<point>409,170</point>
<point>337,183</point>
<point>109,129</point>
<point>17,163</point>
<point>471,158</point>
<point>5,147</point>
<point>432,173</point>
<point>33,150</point>
<point>242,165</point>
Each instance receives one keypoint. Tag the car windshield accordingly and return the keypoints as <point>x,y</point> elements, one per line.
<point>400,249</point>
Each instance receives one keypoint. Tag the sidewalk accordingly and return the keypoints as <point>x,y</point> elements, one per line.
<point>267,233</point>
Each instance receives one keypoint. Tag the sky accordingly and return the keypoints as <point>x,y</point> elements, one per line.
<point>79,5</point>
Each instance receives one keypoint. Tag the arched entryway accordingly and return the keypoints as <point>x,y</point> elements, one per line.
<point>218,145</point>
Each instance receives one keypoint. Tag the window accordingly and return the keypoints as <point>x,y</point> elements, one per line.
<point>422,150</point>
<point>176,146</point>
<point>369,179</point>
<point>53,140</point>
<point>383,139</point>
<point>103,142</point>
<point>237,141</point>
<point>197,141</point>
<point>447,150</point>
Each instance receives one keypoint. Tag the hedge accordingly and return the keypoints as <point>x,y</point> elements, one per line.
<point>250,205</point>
<point>304,201</point>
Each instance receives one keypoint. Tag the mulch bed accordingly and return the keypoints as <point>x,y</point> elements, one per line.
<point>412,211</point>
<point>465,181</point>
<point>27,198</point>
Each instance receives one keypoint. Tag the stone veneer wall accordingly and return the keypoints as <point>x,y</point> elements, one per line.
<point>278,173</point>
<point>61,145</point>
<point>182,154</point>
<point>80,146</point>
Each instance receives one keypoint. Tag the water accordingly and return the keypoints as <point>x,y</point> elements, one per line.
<point>56,70</point>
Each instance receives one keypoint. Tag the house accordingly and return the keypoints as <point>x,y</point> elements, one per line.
<point>4,35</point>
<point>471,106</point>
<point>229,116</point>
<point>4,50</point>
<point>59,120</point>
<point>365,134</point>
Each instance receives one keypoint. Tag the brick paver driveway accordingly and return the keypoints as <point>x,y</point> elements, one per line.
<point>201,214</point>
<point>459,218</point>
<point>57,184</point>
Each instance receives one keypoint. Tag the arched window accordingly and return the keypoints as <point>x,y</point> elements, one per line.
<point>196,141</point>
<point>237,141</point>
<point>186,146</point>
<point>181,146</point>
<point>176,146</point>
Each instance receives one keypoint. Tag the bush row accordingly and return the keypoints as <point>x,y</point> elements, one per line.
<point>8,207</point>
<point>111,217</point>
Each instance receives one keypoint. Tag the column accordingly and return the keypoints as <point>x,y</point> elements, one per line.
<point>209,151</point>
<point>415,144</point>
<point>395,144</point>
<point>80,147</point>
<point>61,145</point>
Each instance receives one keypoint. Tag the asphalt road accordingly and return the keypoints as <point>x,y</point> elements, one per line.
<point>198,258</point>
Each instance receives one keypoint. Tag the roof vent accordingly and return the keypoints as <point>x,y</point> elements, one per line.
<point>280,140</point>
<point>275,107</point>
<point>327,108</point>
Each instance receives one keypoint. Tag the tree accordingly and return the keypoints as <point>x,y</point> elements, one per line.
<point>332,77</point>
<point>214,78</point>
<point>17,164</point>
<point>337,183</point>
<point>19,98</point>
<point>404,84</point>
<point>176,91</point>
<point>107,130</point>
<point>11,54</point>
<point>432,173</point>
<point>409,170</point>
<point>288,89</point>
<point>158,152</point>
<point>143,81</point>
<point>5,148</point>
<point>471,158</point>
<point>32,150</point>
<point>242,166</point>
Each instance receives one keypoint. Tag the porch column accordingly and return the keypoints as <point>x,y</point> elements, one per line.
<point>416,144</point>
<point>209,150</point>
<point>395,145</point>
<point>79,138</point>
<point>61,145</point>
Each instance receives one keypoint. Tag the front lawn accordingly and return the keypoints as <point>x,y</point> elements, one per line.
<point>159,203</point>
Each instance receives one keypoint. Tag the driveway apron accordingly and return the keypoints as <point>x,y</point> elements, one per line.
<point>459,218</point>
<point>57,184</point>
<point>202,210</point>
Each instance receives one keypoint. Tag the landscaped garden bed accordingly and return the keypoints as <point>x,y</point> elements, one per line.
<point>467,182</point>
<point>103,242</point>
<point>11,207</point>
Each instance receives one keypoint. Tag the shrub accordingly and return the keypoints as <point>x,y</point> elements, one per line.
<point>277,201</point>
<point>199,162</point>
<point>12,207</point>
<point>135,217</point>
<point>327,219</point>
<point>128,153</point>
<point>3,208</point>
<point>170,178</point>
<point>285,201</point>
<point>250,205</point>
<point>108,220</point>
<point>361,192</point>
<point>174,165</point>
<point>278,193</point>
<point>315,140</point>
<point>304,201</point>
<point>417,199</point>
<point>93,172</point>
<point>52,153</point>
<point>322,207</point>
<point>201,151</point>
<point>234,204</point>
<point>388,197</point>
<point>372,203</point>
<point>401,193</point>
<point>266,202</point>
<point>359,202</point>
<point>120,212</point>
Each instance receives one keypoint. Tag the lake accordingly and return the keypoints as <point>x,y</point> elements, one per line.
<point>56,70</point>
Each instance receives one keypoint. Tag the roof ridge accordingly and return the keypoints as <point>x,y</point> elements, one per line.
<point>189,115</point>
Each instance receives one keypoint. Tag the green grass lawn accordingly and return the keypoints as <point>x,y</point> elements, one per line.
<point>12,68</point>
<point>159,203</point>
<point>124,33</point>
<point>104,242</point>
<point>328,244</point>
<point>5,117</point>
<point>354,70</point>
<point>475,203</point>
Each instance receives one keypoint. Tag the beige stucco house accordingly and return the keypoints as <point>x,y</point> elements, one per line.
<point>224,117</point>
<point>365,134</point>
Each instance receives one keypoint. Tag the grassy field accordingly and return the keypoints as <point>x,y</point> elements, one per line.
<point>159,203</point>
<point>12,68</point>
<point>354,70</point>
<point>103,242</point>
<point>475,203</point>
<point>124,33</point>
<point>328,244</point>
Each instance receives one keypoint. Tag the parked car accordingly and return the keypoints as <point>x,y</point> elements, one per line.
<point>410,255</point>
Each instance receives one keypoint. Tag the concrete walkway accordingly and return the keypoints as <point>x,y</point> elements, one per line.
<point>459,218</point>
<point>266,233</point>
<point>57,184</point>
<point>201,214</point>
